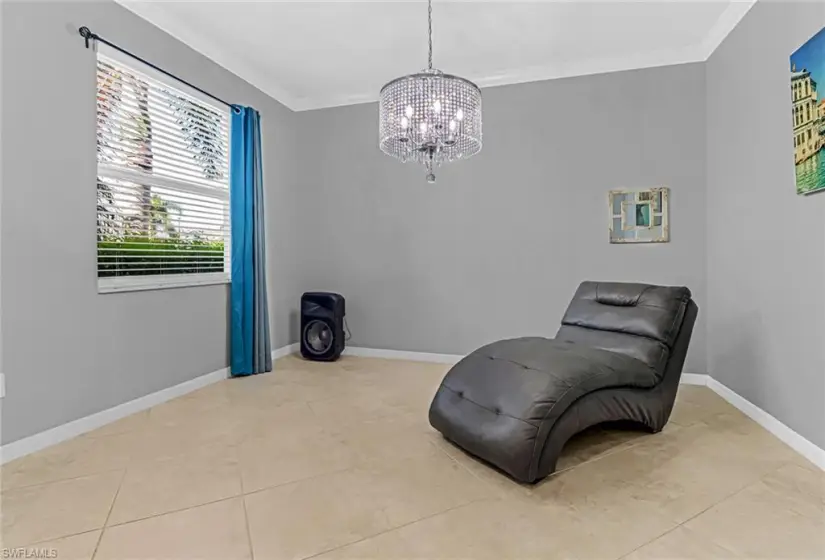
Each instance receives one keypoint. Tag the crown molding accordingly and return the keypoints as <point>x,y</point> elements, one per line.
<point>729,19</point>
<point>564,69</point>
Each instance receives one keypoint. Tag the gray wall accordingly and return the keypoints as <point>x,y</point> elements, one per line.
<point>69,352</point>
<point>766,245</point>
<point>497,247</point>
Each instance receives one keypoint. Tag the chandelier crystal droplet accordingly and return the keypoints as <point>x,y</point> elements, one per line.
<point>430,117</point>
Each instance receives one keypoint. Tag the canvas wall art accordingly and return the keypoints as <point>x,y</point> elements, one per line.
<point>639,216</point>
<point>807,72</point>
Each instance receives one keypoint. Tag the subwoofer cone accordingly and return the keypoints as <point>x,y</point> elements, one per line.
<point>318,337</point>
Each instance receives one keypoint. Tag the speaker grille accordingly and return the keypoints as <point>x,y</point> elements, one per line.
<point>318,337</point>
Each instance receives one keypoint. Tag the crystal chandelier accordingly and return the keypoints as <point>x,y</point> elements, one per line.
<point>430,117</point>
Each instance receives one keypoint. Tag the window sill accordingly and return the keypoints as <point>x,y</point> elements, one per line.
<point>143,283</point>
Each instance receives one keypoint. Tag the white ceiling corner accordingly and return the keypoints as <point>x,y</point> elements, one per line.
<point>309,54</point>
<point>729,19</point>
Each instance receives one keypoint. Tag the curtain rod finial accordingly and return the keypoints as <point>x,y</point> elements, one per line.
<point>86,33</point>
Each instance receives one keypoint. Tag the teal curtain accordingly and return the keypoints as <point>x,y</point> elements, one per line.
<point>249,325</point>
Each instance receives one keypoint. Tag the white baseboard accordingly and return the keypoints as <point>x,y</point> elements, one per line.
<point>75,428</point>
<point>402,355</point>
<point>694,379</point>
<point>284,351</point>
<point>798,443</point>
<point>30,444</point>
<point>61,433</point>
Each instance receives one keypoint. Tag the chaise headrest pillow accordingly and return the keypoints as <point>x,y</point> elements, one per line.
<point>654,312</point>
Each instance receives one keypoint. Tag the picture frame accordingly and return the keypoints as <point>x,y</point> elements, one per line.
<point>808,113</point>
<point>639,215</point>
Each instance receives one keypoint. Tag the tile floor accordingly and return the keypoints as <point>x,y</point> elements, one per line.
<point>338,461</point>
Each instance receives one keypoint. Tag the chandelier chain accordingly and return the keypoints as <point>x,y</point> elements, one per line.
<point>430,32</point>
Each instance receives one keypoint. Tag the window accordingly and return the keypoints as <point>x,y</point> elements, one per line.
<point>162,181</point>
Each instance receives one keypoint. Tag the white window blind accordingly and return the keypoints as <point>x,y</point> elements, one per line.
<point>162,181</point>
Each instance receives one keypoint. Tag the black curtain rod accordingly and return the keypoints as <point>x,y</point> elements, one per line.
<point>87,34</point>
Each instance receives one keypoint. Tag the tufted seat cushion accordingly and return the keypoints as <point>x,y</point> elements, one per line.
<point>548,374</point>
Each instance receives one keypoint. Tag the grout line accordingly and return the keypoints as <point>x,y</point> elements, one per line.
<point>69,479</point>
<point>713,505</point>
<point>243,503</point>
<point>209,503</point>
<point>178,510</point>
<point>101,529</point>
<point>50,539</point>
<point>264,489</point>
<point>397,528</point>
<point>109,513</point>
<point>248,530</point>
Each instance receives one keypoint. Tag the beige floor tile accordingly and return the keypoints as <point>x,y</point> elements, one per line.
<point>125,425</point>
<point>344,456</point>
<point>695,403</point>
<point>287,422</point>
<point>311,516</point>
<point>367,405</point>
<point>780,516</point>
<point>272,461</point>
<point>49,511</point>
<point>376,443</point>
<point>597,442</point>
<point>75,547</point>
<point>74,458</point>
<point>267,391</point>
<point>742,443</point>
<point>186,435</point>
<point>607,522</point>
<point>677,473</point>
<point>207,401</point>
<point>489,529</point>
<point>806,464</point>
<point>205,475</point>
<point>214,531</point>
<point>680,543</point>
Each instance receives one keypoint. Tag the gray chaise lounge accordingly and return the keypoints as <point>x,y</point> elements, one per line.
<point>618,356</point>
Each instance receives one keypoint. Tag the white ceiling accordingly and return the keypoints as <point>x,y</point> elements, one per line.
<point>311,54</point>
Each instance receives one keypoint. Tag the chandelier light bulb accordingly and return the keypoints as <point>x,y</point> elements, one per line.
<point>447,126</point>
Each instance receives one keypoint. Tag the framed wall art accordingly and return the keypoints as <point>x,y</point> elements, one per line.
<point>807,71</point>
<point>639,216</point>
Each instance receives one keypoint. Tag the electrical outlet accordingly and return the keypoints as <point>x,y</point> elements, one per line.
<point>2,385</point>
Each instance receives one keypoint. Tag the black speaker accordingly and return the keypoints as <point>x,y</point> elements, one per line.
<point>322,326</point>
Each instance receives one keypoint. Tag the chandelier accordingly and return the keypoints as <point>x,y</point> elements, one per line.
<point>430,117</point>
